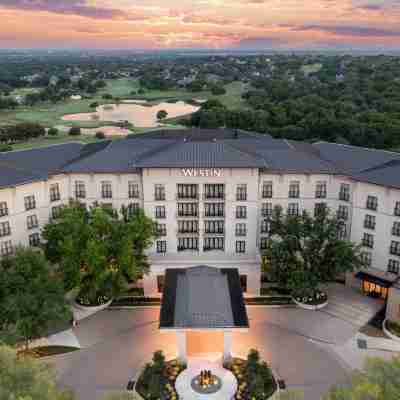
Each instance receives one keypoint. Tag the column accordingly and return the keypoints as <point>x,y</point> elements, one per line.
<point>181,346</point>
<point>227,346</point>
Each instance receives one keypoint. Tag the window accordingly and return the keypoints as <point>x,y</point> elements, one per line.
<point>214,209</point>
<point>3,209</point>
<point>319,208</point>
<point>161,246</point>
<point>159,192</point>
<point>393,266</point>
<point>187,191</point>
<point>241,192</point>
<point>55,212</point>
<point>240,246</point>
<point>265,225</point>
<point>266,209</point>
<point>396,229</point>
<point>267,191</point>
<point>213,243</point>
<point>188,243</point>
<point>395,248</point>
<point>106,190</point>
<point>162,229</point>
<point>160,212</point>
<point>343,213</point>
<point>320,190</point>
<point>5,229</point>
<point>6,248</point>
<point>133,190</point>
<point>240,229</point>
<point>188,226</point>
<point>263,243</point>
<point>294,190</point>
<point>188,209</point>
<point>397,209</point>
<point>344,193</point>
<point>214,191</point>
<point>369,222</point>
<point>32,221</point>
<point>368,240</point>
<point>372,203</point>
<point>342,231</point>
<point>133,208</point>
<point>160,283</point>
<point>30,203</point>
<point>293,209</point>
<point>34,240</point>
<point>214,227</point>
<point>80,190</point>
<point>366,258</point>
<point>241,212</point>
<point>55,192</point>
<point>243,283</point>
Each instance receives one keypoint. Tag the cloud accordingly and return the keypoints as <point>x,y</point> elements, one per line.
<point>357,31</point>
<point>72,7</point>
<point>259,42</point>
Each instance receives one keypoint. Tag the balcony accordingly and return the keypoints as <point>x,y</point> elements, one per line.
<point>213,215</point>
<point>209,232</point>
<point>343,196</point>
<point>214,196</point>
<point>187,196</point>
<point>187,232</point>
<point>193,214</point>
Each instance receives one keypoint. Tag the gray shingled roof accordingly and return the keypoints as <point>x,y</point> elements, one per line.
<point>209,148</point>
<point>18,167</point>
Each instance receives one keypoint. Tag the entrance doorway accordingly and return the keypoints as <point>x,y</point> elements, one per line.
<point>374,290</point>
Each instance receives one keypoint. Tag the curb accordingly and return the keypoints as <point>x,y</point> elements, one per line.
<point>310,307</point>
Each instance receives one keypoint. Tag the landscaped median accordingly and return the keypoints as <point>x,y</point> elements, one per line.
<point>391,329</point>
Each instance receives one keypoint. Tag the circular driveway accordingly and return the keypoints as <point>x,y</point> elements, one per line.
<point>116,343</point>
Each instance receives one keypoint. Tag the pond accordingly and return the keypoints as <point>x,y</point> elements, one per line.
<point>140,115</point>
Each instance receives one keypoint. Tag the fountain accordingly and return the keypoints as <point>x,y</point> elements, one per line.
<point>206,382</point>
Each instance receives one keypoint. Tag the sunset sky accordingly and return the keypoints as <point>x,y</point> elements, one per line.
<point>169,24</point>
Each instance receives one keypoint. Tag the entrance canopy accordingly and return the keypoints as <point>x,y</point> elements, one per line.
<point>383,279</point>
<point>203,298</point>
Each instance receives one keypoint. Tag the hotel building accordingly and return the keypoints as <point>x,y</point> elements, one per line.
<point>211,193</point>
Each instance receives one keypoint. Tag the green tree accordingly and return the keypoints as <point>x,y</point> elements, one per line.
<point>25,378</point>
<point>52,131</point>
<point>304,252</point>
<point>75,131</point>
<point>31,296</point>
<point>99,250</point>
<point>379,380</point>
<point>162,114</point>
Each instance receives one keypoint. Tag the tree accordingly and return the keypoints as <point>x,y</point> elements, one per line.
<point>98,250</point>
<point>380,380</point>
<point>52,131</point>
<point>26,378</point>
<point>95,104</point>
<point>218,90</point>
<point>75,131</point>
<point>100,135</point>
<point>304,252</point>
<point>162,114</point>
<point>31,296</point>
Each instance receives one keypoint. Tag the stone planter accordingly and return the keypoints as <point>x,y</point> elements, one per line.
<point>389,334</point>
<point>310,306</point>
<point>92,309</point>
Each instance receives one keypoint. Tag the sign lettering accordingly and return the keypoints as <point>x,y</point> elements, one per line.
<point>202,172</point>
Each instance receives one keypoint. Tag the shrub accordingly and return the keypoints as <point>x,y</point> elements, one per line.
<point>107,96</point>
<point>218,90</point>
<point>5,147</point>
<point>94,104</point>
<point>100,135</point>
<point>52,131</point>
<point>75,131</point>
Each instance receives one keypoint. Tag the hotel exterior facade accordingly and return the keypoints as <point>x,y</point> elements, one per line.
<point>211,193</point>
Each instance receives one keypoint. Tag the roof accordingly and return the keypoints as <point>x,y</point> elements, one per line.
<point>19,167</point>
<point>202,148</point>
<point>204,298</point>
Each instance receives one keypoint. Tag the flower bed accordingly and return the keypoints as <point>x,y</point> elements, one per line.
<point>269,301</point>
<point>391,329</point>
<point>157,380</point>
<point>312,302</point>
<point>135,301</point>
<point>84,300</point>
<point>248,381</point>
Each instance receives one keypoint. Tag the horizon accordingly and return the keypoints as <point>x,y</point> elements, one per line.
<point>201,25</point>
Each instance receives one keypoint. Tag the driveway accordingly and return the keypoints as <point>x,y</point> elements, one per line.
<point>118,342</point>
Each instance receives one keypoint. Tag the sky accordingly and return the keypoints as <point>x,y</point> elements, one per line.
<point>200,24</point>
